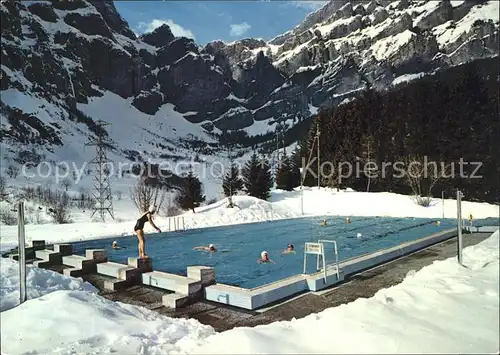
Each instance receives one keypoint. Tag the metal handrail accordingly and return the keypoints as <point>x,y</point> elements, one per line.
<point>321,252</point>
<point>321,241</point>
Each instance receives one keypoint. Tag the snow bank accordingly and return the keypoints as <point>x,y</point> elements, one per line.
<point>282,204</point>
<point>39,282</point>
<point>82,322</point>
<point>442,308</point>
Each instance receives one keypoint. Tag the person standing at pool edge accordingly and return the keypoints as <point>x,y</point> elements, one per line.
<point>139,229</point>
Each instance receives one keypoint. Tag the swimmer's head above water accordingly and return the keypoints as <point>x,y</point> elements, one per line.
<point>264,258</point>
<point>290,247</point>
<point>211,247</point>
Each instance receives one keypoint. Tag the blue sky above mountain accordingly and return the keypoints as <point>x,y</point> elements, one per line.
<point>206,21</point>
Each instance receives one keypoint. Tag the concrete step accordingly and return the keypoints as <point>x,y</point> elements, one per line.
<point>171,282</point>
<point>77,261</point>
<point>74,272</point>
<point>204,274</point>
<point>42,264</point>
<point>116,284</point>
<point>98,255</point>
<point>175,300</point>
<point>63,249</point>
<point>118,271</point>
<point>49,255</point>
<point>38,244</point>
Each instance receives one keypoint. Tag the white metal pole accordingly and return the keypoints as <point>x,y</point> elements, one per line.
<point>22,253</point>
<point>301,202</point>
<point>459,226</point>
<point>305,258</point>
<point>301,191</point>
<point>442,201</point>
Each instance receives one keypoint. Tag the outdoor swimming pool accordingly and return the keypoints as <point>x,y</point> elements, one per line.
<point>240,245</point>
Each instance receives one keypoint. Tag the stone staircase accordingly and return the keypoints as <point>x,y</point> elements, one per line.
<point>181,290</point>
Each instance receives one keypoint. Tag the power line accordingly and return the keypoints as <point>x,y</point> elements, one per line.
<point>102,186</point>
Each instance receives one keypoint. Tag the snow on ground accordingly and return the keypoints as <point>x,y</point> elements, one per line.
<point>443,308</point>
<point>281,205</point>
<point>407,77</point>
<point>38,282</point>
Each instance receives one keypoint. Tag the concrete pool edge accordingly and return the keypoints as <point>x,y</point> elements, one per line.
<point>261,296</point>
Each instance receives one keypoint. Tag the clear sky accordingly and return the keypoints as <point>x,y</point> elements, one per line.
<point>210,20</point>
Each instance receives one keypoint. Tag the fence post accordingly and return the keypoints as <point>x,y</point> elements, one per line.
<point>442,201</point>
<point>183,224</point>
<point>22,253</point>
<point>175,224</point>
<point>459,226</point>
<point>169,220</point>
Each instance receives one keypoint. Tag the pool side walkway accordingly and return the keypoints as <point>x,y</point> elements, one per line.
<point>222,317</point>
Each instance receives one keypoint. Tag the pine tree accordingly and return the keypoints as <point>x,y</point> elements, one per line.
<point>282,174</point>
<point>257,178</point>
<point>191,193</point>
<point>232,183</point>
<point>294,172</point>
<point>287,175</point>
<point>265,180</point>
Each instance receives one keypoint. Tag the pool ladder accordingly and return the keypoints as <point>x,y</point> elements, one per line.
<point>318,249</point>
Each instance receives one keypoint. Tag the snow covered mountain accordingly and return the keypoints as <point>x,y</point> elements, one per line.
<point>65,64</point>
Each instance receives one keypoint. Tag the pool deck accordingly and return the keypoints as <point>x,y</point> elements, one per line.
<point>221,317</point>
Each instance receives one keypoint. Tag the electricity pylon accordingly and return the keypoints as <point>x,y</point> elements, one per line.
<point>104,199</point>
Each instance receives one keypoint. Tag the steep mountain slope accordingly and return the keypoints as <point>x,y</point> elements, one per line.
<point>66,64</point>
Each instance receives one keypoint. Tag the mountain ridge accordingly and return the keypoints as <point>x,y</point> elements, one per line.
<point>61,59</point>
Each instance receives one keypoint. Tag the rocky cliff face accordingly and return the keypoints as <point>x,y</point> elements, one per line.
<point>69,53</point>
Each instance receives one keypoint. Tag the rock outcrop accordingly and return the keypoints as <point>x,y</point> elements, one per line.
<point>70,52</point>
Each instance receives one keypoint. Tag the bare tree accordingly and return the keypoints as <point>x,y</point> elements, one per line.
<point>30,214</point>
<point>144,195</point>
<point>170,206</point>
<point>12,171</point>
<point>421,180</point>
<point>3,191</point>
<point>7,217</point>
<point>85,200</point>
<point>66,183</point>
<point>60,207</point>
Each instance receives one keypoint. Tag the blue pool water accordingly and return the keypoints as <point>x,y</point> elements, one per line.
<point>242,244</point>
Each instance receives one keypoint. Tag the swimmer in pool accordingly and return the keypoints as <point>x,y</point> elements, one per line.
<point>324,223</point>
<point>289,249</point>
<point>264,258</point>
<point>115,245</point>
<point>210,248</point>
